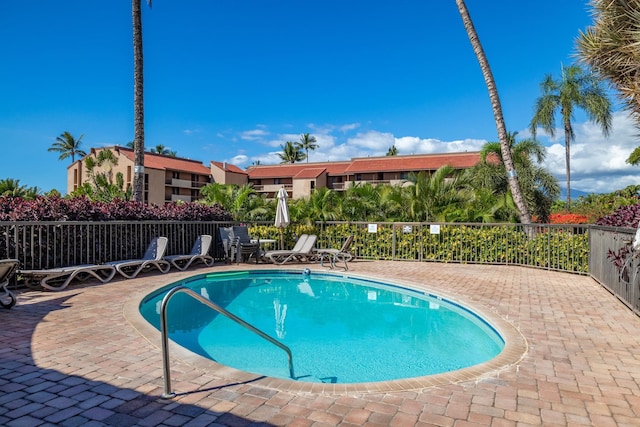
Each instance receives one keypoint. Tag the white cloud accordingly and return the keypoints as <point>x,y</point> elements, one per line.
<point>238,160</point>
<point>253,135</point>
<point>598,164</point>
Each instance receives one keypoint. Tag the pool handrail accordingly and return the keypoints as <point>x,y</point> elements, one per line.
<point>165,334</point>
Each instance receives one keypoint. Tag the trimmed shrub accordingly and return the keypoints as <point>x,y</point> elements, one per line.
<point>82,209</point>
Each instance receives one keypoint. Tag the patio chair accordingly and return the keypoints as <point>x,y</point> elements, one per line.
<point>225,244</point>
<point>243,245</point>
<point>153,258</point>
<point>57,279</point>
<point>199,253</point>
<point>304,252</point>
<point>336,255</point>
<point>8,269</point>
<point>274,254</point>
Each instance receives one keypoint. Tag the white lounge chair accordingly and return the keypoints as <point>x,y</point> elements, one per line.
<point>7,270</point>
<point>56,279</point>
<point>276,253</point>
<point>302,252</point>
<point>335,255</point>
<point>199,252</point>
<point>153,258</point>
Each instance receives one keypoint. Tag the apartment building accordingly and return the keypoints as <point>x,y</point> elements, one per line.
<point>168,179</point>
<point>299,179</point>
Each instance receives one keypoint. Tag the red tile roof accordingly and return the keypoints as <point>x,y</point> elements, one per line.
<point>228,167</point>
<point>310,173</point>
<point>418,162</point>
<point>158,161</point>
<point>289,170</point>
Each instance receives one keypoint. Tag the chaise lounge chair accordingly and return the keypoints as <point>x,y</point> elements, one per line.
<point>199,252</point>
<point>56,279</point>
<point>153,258</point>
<point>336,255</point>
<point>7,270</point>
<point>302,252</point>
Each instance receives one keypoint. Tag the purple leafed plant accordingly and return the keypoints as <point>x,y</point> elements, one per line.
<point>82,209</point>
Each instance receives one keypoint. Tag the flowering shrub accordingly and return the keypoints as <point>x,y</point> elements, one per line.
<point>625,216</point>
<point>82,209</point>
<point>567,218</point>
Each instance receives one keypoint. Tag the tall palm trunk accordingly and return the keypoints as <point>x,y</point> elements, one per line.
<point>138,104</point>
<point>568,131</point>
<point>503,137</point>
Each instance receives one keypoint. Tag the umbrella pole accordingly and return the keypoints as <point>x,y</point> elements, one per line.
<point>281,237</point>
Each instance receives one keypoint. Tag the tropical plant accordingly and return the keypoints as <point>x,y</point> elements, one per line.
<point>68,146</point>
<point>610,47</point>
<point>12,188</point>
<point>362,201</point>
<point>101,185</point>
<point>393,151</point>
<point>439,196</point>
<point>575,88</point>
<point>539,186</point>
<point>242,202</point>
<point>291,153</point>
<point>307,143</point>
<point>138,102</point>
<point>496,106</point>
<point>321,205</point>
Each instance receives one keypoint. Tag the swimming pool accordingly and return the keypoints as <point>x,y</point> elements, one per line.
<point>340,329</point>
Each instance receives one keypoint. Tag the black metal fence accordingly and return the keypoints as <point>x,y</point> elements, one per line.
<point>622,279</point>
<point>578,249</point>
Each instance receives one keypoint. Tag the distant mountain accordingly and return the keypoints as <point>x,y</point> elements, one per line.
<point>574,193</point>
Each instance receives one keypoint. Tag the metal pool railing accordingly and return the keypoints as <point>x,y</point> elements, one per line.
<point>165,334</point>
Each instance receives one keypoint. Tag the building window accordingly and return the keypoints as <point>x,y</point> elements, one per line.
<point>313,185</point>
<point>358,177</point>
<point>404,175</point>
<point>277,181</point>
<point>176,175</point>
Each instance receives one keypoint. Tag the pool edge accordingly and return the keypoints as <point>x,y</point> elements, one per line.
<point>516,346</point>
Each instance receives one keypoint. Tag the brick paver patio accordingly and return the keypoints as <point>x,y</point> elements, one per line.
<point>73,358</point>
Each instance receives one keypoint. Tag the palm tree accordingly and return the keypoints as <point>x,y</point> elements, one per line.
<point>307,143</point>
<point>138,102</point>
<point>539,186</point>
<point>68,146</point>
<point>576,88</point>
<point>393,150</point>
<point>242,202</point>
<point>12,188</point>
<point>611,48</point>
<point>518,197</point>
<point>291,153</point>
<point>160,149</point>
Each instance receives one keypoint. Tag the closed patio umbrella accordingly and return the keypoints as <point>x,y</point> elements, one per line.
<point>282,214</point>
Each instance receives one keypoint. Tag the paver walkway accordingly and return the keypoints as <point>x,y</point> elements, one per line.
<point>71,358</point>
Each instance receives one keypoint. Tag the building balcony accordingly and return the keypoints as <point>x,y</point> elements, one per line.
<point>176,197</point>
<point>272,188</point>
<point>184,183</point>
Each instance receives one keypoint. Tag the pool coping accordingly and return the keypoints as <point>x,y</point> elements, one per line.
<point>516,346</point>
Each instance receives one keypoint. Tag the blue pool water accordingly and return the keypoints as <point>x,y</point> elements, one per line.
<point>339,329</point>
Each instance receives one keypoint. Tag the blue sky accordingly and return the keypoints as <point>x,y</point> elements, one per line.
<point>233,80</point>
